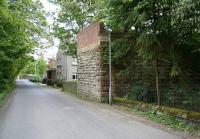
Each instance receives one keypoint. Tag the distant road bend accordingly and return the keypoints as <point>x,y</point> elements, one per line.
<point>40,112</point>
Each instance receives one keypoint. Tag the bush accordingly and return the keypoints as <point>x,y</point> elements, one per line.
<point>136,93</point>
<point>59,83</point>
<point>3,96</point>
<point>44,81</point>
<point>141,93</point>
<point>50,82</point>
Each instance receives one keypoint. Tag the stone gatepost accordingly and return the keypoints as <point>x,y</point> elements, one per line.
<point>93,80</point>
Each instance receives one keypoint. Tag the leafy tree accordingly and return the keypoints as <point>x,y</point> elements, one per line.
<point>41,67</point>
<point>154,31</point>
<point>20,28</point>
<point>34,18</point>
<point>37,67</point>
<point>162,30</point>
<point>74,15</point>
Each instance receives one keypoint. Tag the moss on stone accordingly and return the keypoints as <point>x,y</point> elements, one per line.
<point>185,114</point>
<point>70,86</point>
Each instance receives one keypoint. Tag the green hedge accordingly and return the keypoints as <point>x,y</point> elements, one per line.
<point>4,94</point>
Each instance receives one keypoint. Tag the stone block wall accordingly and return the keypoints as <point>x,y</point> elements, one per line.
<point>138,84</point>
<point>92,70</point>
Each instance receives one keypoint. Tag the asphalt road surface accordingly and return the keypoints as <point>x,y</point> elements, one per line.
<point>40,112</point>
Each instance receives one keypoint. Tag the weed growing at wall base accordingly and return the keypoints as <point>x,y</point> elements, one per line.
<point>165,119</point>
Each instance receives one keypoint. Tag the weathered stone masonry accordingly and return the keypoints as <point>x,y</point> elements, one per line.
<point>138,84</point>
<point>92,71</point>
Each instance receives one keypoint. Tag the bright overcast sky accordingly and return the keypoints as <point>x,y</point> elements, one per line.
<point>51,51</point>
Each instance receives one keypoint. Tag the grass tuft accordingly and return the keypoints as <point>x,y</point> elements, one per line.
<point>3,96</point>
<point>164,119</point>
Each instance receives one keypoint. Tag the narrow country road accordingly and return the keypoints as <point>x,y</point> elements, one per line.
<point>40,112</point>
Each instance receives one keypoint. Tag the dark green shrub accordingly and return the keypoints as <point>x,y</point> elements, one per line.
<point>59,83</point>
<point>44,81</point>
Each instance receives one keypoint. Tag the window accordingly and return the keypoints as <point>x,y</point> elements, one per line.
<point>74,61</point>
<point>74,76</point>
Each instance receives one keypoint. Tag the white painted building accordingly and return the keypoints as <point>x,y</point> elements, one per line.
<point>66,66</point>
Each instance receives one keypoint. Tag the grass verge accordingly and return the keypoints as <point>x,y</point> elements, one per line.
<point>165,119</point>
<point>3,97</point>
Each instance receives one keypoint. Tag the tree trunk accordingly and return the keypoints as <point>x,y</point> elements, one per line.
<point>157,77</point>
